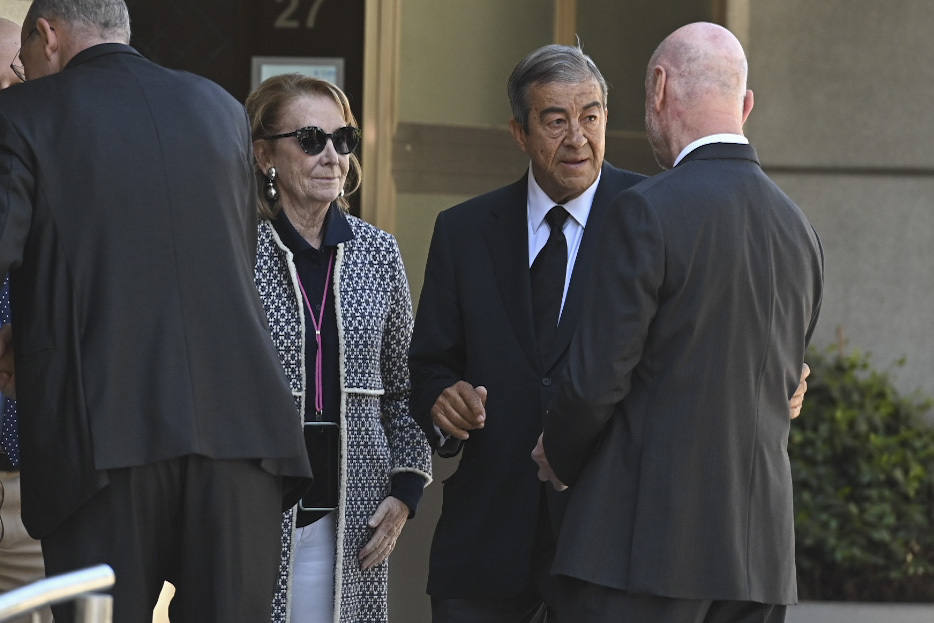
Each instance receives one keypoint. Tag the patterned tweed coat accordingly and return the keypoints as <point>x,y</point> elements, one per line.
<point>378,436</point>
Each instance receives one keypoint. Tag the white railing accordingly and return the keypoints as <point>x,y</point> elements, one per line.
<point>77,585</point>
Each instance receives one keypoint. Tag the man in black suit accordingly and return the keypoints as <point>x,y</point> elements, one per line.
<point>483,354</point>
<point>157,424</point>
<point>672,426</point>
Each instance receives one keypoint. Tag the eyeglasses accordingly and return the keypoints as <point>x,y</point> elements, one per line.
<point>313,139</point>
<point>18,68</point>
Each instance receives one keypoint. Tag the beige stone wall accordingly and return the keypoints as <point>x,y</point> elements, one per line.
<point>620,37</point>
<point>843,82</point>
<point>14,9</point>
<point>843,120</point>
<point>456,55</point>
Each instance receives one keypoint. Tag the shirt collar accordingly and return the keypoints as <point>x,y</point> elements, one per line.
<point>707,140</point>
<point>336,230</point>
<point>540,203</point>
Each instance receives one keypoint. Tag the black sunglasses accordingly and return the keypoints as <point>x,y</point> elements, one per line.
<point>313,139</point>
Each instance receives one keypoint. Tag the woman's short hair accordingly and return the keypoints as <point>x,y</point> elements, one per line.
<point>265,106</point>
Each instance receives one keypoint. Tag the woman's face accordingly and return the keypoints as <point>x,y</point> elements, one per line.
<point>307,181</point>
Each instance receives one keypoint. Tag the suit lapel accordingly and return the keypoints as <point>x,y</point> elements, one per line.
<point>579,288</point>
<point>507,238</point>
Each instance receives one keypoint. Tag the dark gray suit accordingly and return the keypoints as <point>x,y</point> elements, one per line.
<point>474,323</point>
<point>672,427</point>
<point>128,224</point>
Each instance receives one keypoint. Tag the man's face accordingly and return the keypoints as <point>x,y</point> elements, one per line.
<point>566,138</point>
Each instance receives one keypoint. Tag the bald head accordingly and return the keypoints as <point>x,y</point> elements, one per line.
<point>705,62</point>
<point>9,45</point>
<point>696,86</point>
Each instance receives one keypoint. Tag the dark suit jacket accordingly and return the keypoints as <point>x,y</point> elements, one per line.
<point>474,322</point>
<point>672,429</point>
<point>128,220</point>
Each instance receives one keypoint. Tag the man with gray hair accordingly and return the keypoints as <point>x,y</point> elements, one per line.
<point>157,425</point>
<point>671,429</point>
<point>506,281</point>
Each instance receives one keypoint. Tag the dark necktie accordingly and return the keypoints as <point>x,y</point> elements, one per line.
<point>548,272</point>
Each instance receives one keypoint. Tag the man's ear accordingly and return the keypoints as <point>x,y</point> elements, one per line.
<point>518,133</point>
<point>658,88</point>
<point>748,101</point>
<point>49,39</point>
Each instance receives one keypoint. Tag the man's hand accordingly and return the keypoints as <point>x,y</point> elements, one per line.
<point>386,523</point>
<point>797,400</point>
<point>7,366</point>
<point>460,408</point>
<point>545,473</point>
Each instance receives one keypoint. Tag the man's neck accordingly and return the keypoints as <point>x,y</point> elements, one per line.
<point>720,137</point>
<point>77,43</point>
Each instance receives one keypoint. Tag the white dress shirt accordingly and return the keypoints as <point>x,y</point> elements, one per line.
<point>539,204</point>
<point>707,140</point>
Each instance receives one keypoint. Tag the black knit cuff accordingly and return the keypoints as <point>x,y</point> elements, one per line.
<point>408,487</point>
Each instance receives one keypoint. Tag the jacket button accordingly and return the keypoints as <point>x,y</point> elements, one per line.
<point>546,381</point>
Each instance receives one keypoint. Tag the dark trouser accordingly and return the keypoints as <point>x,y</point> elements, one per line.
<point>525,609</point>
<point>210,527</point>
<point>530,606</point>
<point>577,601</point>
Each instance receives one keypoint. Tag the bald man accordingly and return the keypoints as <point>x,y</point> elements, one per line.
<point>671,428</point>
<point>9,46</point>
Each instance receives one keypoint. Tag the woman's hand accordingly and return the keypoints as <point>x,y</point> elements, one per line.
<point>7,365</point>
<point>387,524</point>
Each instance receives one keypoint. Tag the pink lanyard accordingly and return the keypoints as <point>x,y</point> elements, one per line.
<point>317,322</point>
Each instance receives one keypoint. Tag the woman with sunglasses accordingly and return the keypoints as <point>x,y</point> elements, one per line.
<point>337,300</point>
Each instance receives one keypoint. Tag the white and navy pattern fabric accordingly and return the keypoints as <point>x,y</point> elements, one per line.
<point>9,430</point>
<point>378,436</point>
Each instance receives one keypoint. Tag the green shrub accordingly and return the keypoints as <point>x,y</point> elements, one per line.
<point>862,457</point>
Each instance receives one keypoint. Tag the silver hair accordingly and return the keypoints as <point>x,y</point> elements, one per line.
<point>109,19</point>
<point>547,64</point>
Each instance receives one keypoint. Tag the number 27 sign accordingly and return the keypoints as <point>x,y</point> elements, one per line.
<point>290,16</point>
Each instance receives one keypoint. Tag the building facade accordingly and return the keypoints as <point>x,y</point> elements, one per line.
<point>841,123</point>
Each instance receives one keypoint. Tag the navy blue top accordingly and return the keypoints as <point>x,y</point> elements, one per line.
<point>9,430</point>
<point>311,265</point>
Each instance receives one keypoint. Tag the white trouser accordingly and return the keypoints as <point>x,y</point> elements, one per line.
<point>20,554</point>
<point>313,571</point>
